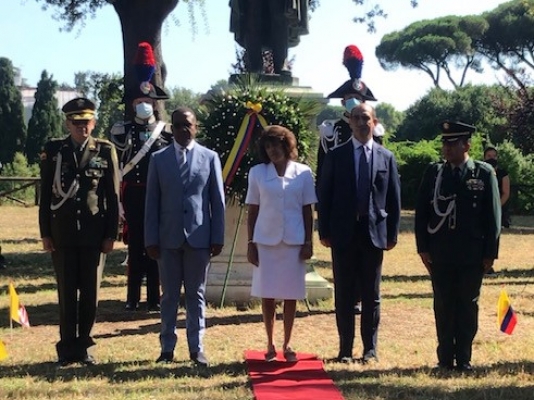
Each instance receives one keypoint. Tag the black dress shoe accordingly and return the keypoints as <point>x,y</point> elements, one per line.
<point>165,357</point>
<point>63,362</point>
<point>199,358</point>
<point>464,367</point>
<point>358,308</point>
<point>344,359</point>
<point>368,358</point>
<point>153,307</point>
<point>88,360</point>
<point>443,367</point>
<point>131,306</point>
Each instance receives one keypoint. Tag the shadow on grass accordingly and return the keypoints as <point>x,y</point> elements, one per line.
<point>119,372</point>
<point>371,383</point>
<point>38,265</point>
<point>211,321</point>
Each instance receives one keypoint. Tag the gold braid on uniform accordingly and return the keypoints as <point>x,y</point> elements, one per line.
<point>56,185</point>
<point>450,211</point>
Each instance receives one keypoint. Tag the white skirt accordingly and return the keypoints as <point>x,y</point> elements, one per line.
<point>281,273</point>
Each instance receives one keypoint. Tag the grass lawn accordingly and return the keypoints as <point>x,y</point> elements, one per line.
<point>128,342</point>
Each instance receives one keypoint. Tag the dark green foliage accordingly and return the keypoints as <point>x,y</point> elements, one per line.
<point>435,46</point>
<point>413,159</point>
<point>182,97</point>
<point>472,104</point>
<point>221,116</point>
<point>389,117</point>
<point>107,91</point>
<point>521,171</point>
<point>19,167</point>
<point>12,127</point>
<point>46,121</point>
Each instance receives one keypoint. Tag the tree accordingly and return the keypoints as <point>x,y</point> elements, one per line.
<point>107,91</point>
<point>45,122</point>
<point>476,105</point>
<point>509,40</point>
<point>182,97</point>
<point>389,117</point>
<point>141,21</point>
<point>374,11</point>
<point>12,127</point>
<point>433,46</point>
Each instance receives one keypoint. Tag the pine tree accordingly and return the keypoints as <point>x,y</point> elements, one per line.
<point>12,127</point>
<point>45,122</point>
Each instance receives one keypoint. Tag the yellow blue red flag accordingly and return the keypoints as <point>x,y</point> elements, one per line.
<point>506,316</point>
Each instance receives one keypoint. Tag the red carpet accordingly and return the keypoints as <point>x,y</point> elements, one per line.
<point>280,380</point>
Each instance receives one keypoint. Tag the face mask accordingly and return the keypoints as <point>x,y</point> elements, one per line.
<point>351,103</point>
<point>144,110</point>
<point>492,162</point>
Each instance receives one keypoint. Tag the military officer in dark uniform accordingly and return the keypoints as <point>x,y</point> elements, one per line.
<point>78,220</point>
<point>457,226</point>
<point>135,141</point>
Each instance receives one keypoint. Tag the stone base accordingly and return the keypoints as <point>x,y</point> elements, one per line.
<point>240,275</point>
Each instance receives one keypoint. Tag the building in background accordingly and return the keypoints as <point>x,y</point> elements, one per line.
<point>63,95</point>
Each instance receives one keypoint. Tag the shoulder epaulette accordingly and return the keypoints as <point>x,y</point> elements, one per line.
<point>118,128</point>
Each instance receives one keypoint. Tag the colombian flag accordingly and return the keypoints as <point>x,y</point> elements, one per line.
<point>506,316</point>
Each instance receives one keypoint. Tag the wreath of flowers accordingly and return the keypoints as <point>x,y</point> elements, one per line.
<point>222,114</point>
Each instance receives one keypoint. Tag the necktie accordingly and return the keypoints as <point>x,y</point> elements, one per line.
<point>456,177</point>
<point>364,184</point>
<point>184,166</point>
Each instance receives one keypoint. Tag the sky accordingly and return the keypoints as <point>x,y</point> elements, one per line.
<point>33,41</point>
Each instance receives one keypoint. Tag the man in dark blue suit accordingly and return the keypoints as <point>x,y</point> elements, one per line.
<point>359,215</point>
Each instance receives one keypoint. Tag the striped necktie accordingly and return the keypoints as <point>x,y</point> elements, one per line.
<point>184,166</point>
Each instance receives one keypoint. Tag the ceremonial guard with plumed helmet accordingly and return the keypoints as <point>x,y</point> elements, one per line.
<point>135,140</point>
<point>335,133</point>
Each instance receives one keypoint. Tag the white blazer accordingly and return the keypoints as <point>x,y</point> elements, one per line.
<point>280,200</point>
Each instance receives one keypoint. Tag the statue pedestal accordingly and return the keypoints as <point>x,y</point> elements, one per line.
<point>240,274</point>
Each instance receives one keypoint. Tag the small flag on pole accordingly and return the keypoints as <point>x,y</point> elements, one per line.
<point>506,316</point>
<point>16,310</point>
<point>3,351</point>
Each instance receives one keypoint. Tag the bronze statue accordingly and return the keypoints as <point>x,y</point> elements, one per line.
<point>274,25</point>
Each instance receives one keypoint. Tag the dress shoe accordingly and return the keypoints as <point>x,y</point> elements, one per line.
<point>443,367</point>
<point>199,358</point>
<point>165,357</point>
<point>131,306</point>
<point>358,308</point>
<point>464,367</point>
<point>63,362</point>
<point>368,358</point>
<point>344,359</point>
<point>153,308</point>
<point>88,360</point>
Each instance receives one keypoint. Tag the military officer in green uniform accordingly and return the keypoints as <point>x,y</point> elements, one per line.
<point>457,225</point>
<point>78,220</point>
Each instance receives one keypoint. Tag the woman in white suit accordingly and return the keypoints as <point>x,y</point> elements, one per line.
<point>280,196</point>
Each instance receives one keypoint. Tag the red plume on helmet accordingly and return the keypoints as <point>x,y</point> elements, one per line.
<point>145,65</point>
<point>353,61</point>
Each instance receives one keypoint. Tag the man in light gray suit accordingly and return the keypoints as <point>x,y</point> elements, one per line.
<point>184,227</point>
